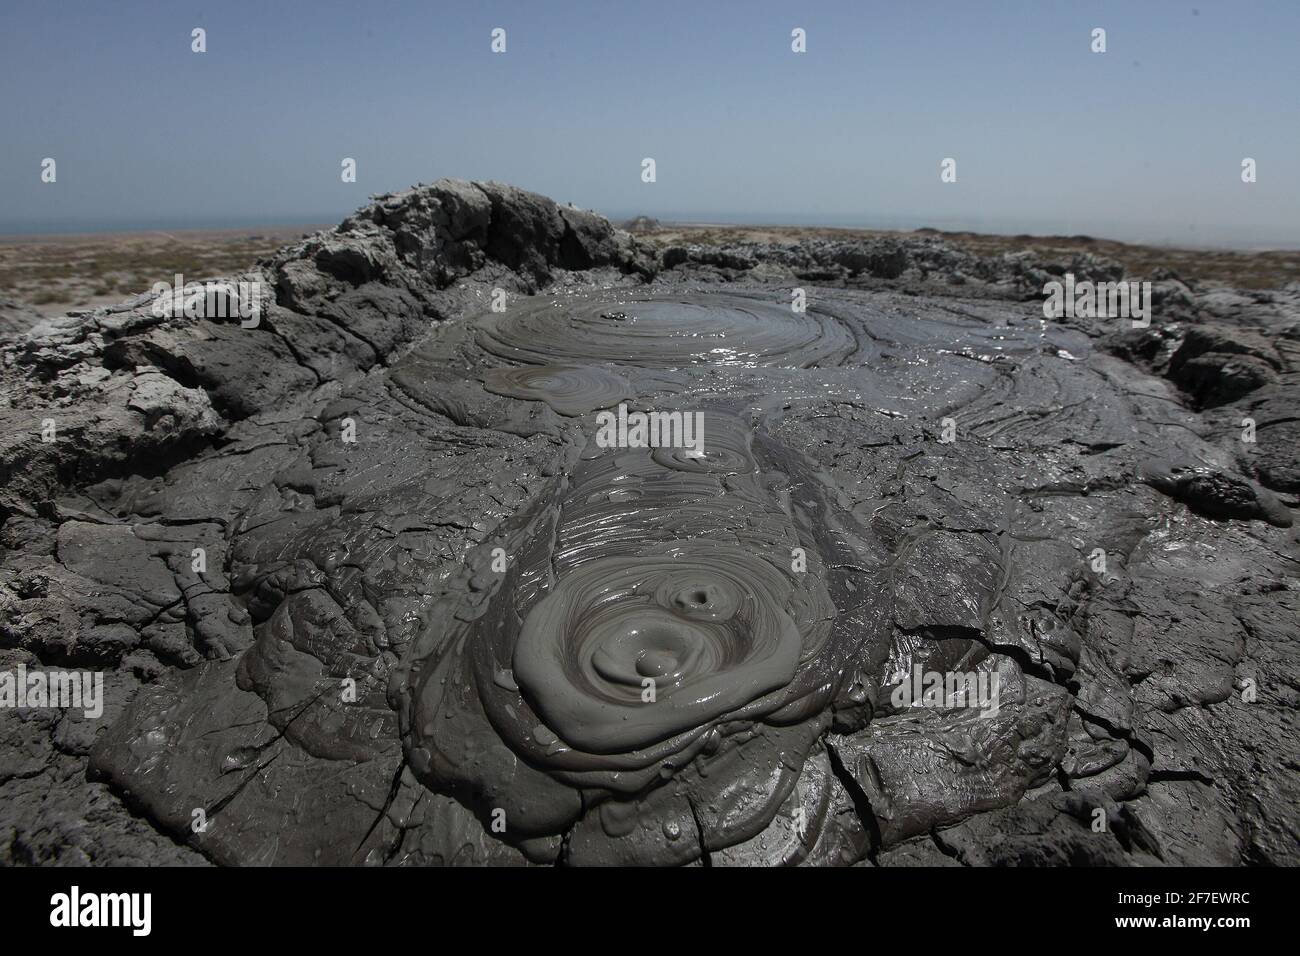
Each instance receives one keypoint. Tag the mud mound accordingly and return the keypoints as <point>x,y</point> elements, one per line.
<point>522,544</point>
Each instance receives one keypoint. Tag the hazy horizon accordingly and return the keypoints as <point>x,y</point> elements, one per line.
<point>899,224</point>
<point>1142,143</point>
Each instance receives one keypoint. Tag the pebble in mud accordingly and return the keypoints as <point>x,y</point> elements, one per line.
<point>1215,493</point>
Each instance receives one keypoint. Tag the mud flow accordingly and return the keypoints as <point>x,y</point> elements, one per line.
<point>658,563</point>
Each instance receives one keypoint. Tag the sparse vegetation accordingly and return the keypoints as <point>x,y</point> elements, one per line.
<point>56,273</point>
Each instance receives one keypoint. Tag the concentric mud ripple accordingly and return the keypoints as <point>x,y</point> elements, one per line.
<point>725,452</point>
<point>703,630</point>
<point>569,389</point>
<point>640,574</point>
<point>665,332</point>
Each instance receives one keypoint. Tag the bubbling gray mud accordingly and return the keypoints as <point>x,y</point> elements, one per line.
<point>706,629</point>
<point>665,332</point>
<point>652,617</point>
<point>677,631</point>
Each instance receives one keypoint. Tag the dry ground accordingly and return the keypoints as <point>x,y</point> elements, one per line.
<point>58,273</point>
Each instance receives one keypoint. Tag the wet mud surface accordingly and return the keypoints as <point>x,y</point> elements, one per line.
<point>433,644</point>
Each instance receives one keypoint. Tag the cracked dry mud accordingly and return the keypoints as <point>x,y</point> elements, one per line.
<point>488,698</point>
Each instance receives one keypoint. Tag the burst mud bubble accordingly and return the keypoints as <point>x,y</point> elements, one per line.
<point>474,634</point>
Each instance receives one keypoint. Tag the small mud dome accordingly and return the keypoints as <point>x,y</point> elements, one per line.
<point>449,614</point>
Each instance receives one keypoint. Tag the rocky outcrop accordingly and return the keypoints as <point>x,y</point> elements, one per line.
<point>1235,356</point>
<point>16,319</point>
<point>332,308</point>
<point>919,263</point>
<point>97,407</point>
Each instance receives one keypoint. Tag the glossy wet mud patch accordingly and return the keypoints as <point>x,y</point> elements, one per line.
<point>665,332</point>
<point>570,639</point>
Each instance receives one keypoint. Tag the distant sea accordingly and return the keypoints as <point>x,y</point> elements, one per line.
<point>91,226</point>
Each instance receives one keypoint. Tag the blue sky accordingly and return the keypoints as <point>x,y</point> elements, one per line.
<point>1144,141</point>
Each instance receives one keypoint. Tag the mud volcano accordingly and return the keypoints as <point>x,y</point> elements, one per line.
<point>443,620</point>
